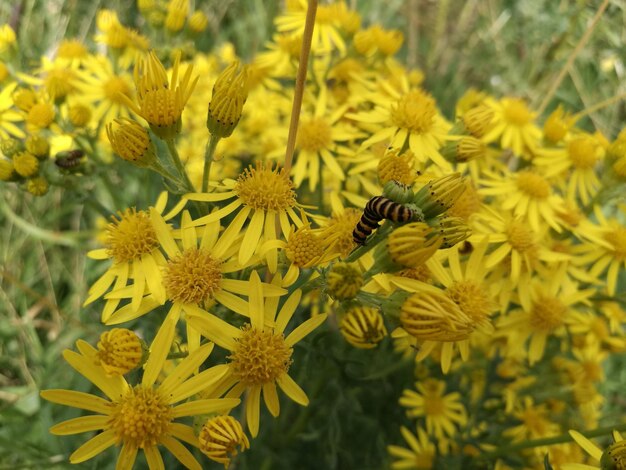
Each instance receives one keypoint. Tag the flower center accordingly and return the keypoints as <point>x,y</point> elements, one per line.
<point>192,277</point>
<point>325,14</point>
<point>468,203</point>
<point>582,152</point>
<point>533,185</point>
<point>617,238</point>
<point>314,135</point>
<point>394,167</point>
<point>414,111</point>
<point>130,236</point>
<point>260,357</point>
<point>472,299</point>
<point>304,247</point>
<point>534,421</point>
<point>290,44</point>
<point>141,418</point>
<point>516,112</point>
<point>520,237</point>
<point>547,314</point>
<point>114,87</point>
<point>265,188</point>
<point>119,351</point>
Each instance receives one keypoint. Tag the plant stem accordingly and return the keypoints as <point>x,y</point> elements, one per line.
<point>208,160</point>
<point>570,60</point>
<point>300,81</point>
<point>187,186</point>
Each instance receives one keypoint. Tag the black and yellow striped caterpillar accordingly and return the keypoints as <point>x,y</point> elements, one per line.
<point>377,209</point>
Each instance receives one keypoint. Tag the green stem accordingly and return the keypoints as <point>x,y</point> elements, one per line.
<point>550,441</point>
<point>374,240</point>
<point>208,160</point>
<point>188,187</point>
<point>177,355</point>
<point>161,170</point>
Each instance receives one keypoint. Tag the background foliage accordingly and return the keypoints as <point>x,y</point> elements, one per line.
<point>500,46</point>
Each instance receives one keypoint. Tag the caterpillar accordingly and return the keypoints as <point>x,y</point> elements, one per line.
<point>69,159</point>
<point>377,209</point>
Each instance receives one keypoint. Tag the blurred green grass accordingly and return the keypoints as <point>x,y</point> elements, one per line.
<point>500,46</point>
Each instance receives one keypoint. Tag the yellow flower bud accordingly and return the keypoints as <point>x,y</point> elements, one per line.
<point>131,141</point>
<point>119,351</point>
<point>219,438</point>
<point>229,95</point>
<point>7,170</point>
<point>38,146</point>
<point>176,15</point>
<point>37,186</point>
<point>363,327</point>
<point>26,164</point>
<point>198,21</point>
<point>80,115</point>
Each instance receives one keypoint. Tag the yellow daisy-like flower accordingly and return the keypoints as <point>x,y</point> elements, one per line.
<point>131,242</point>
<point>103,89</point>
<point>613,457</point>
<point>260,355</point>
<point>420,455</point>
<point>575,166</point>
<point>141,416</point>
<point>535,424</point>
<point>326,33</point>
<point>407,119</point>
<point>318,143</point>
<point>161,101</point>
<point>264,193</point>
<point>603,248</point>
<point>442,413</point>
<point>9,116</point>
<point>513,124</point>
<point>528,194</point>
<point>547,314</point>
<point>193,275</point>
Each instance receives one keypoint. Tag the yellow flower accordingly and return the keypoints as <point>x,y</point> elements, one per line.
<point>603,248</point>
<point>535,424</point>
<point>103,89</point>
<point>131,142</point>
<point>131,242</point>
<point>513,124</point>
<point>176,15</point>
<point>442,413</point>
<point>7,37</point>
<point>191,276</point>
<point>547,313</point>
<point>260,355</point>
<point>528,194</point>
<point>409,118</point>
<point>266,194</point>
<point>141,416</point>
<point>229,95</point>
<point>420,455</point>
<point>161,101</point>
<point>363,327</point>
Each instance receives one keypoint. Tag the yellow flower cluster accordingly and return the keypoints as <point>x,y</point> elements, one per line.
<point>487,247</point>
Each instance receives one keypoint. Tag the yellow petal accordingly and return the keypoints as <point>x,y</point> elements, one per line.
<point>186,367</point>
<point>153,457</point>
<point>181,453</point>
<point>81,400</point>
<point>287,311</point>
<point>164,234</point>
<point>127,457</point>
<point>253,403</point>
<point>212,327</point>
<point>184,433</point>
<point>251,238</point>
<point>304,329</point>
<point>160,347</point>
<point>256,301</point>
<point>209,405</point>
<point>587,445</point>
<point>114,387</point>
<point>204,380</point>
<point>78,425</point>
<point>270,396</point>
<point>292,389</point>
<point>126,313</point>
<point>93,447</point>
<point>153,278</point>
